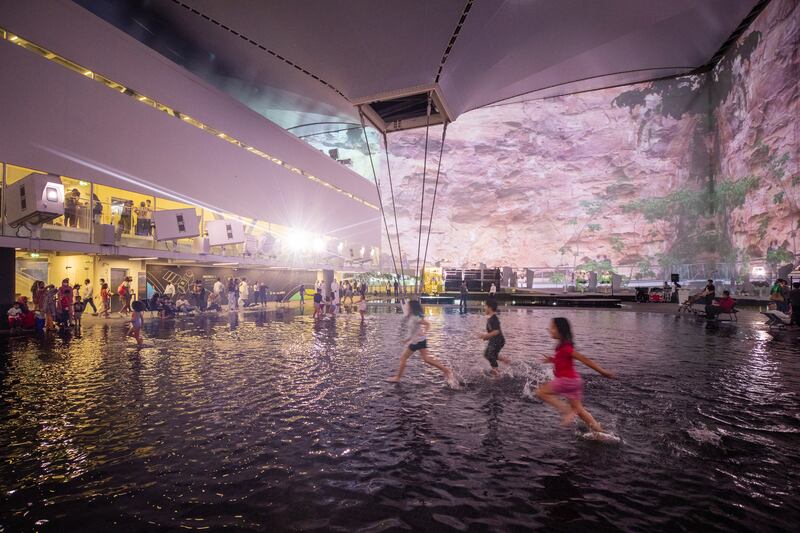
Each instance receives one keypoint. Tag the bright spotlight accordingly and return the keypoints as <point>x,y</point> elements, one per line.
<point>319,245</point>
<point>299,241</point>
<point>363,251</point>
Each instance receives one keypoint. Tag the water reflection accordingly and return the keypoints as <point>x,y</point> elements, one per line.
<point>277,420</point>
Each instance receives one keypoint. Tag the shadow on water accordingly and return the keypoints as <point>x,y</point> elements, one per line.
<point>275,420</point>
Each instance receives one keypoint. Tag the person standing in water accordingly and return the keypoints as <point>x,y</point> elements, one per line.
<point>495,337</point>
<point>135,328</point>
<point>362,307</point>
<point>462,305</point>
<point>318,312</point>
<point>418,341</point>
<point>567,381</point>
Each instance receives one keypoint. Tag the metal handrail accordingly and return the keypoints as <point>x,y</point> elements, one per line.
<point>291,292</point>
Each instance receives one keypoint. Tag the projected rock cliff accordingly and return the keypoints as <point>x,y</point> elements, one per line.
<point>643,179</point>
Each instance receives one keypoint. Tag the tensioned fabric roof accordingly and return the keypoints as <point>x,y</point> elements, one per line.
<point>331,53</point>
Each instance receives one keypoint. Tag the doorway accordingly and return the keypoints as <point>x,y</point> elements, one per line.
<point>118,275</point>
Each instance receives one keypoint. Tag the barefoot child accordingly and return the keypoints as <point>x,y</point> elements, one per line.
<point>418,341</point>
<point>567,382</point>
<point>318,304</point>
<point>362,307</point>
<point>495,337</point>
<point>77,312</point>
<point>105,296</point>
<point>135,329</point>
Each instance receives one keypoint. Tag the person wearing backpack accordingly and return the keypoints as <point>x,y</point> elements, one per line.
<point>124,291</point>
<point>776,294</point>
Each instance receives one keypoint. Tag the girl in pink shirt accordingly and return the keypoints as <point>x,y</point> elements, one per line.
<point>567,381</point>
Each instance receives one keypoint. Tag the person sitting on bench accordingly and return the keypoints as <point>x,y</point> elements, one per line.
<point>724,305</point>
<point>776,317</point>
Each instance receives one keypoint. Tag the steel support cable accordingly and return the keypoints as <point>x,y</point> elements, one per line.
<point>378,189</point>
<point>422,199</point>
<point>394,210</point>
<point>433,202</point>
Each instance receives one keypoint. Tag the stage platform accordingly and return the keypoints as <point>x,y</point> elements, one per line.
<point>535,298</point>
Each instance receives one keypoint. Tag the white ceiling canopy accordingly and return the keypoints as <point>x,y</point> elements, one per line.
<point>471,52</point>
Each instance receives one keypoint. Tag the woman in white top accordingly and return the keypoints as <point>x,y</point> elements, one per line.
<point>169,290</point>
<point>244,293</point>
<point>418,341</point>
<point>492,290</point>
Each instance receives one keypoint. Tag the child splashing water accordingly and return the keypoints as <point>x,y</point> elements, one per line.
<point>135,328</point>
<point>418,341</point>
<point>567,381</point>
<point>495,337</point>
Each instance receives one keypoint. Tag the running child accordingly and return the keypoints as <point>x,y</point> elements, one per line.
<point>567,381</point>
<point>105,296</point>
<point>418,341</point>
<point>135,329</point>
<point>362,307</point>
<point>495,337</point>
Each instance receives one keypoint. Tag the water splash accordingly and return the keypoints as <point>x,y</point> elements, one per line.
<point>703,435</point>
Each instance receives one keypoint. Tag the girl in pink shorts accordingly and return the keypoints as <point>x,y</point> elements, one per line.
<point>567,381</point>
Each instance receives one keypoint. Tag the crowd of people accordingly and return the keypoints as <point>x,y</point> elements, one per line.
<point>235,293</point>
<point>77,212</point>
<point>53,308</point>
<point>331,302</point>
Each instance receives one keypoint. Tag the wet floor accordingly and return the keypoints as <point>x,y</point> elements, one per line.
<point>276,422</point>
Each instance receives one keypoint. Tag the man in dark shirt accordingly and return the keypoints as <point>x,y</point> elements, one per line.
<point>709,292</point>
<point>462,306</point>
<point>794,302</point>
<point>708,297</point>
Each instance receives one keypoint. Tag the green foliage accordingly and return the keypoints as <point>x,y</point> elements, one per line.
<point>668,207</point>
<point>557,277</point>
<point>778,256</point>
<point>795,180</point>
<point>728,194</point>
<point>762,227</point>
<point>573,221</point>
<point>617,244</point>
<point>776,165</point>
<point>596,266</point>
<point>645,270</point>
<point>778,198</point>
<point>733,194</point>
<point>593,227</point>
<point>592,207</point>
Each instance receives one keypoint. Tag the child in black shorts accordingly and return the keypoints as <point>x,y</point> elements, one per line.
<point>495,337</point>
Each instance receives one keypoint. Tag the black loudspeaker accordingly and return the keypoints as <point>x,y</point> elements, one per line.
<point>675,278</point>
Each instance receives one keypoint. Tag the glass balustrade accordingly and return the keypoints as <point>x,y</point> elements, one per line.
<point>100,214</point>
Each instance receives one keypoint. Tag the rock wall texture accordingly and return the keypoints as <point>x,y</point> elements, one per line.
<point>756,116</point>
<point>644,179</point>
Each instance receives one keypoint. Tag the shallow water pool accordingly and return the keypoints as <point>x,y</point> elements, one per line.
<point>275,421</point>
